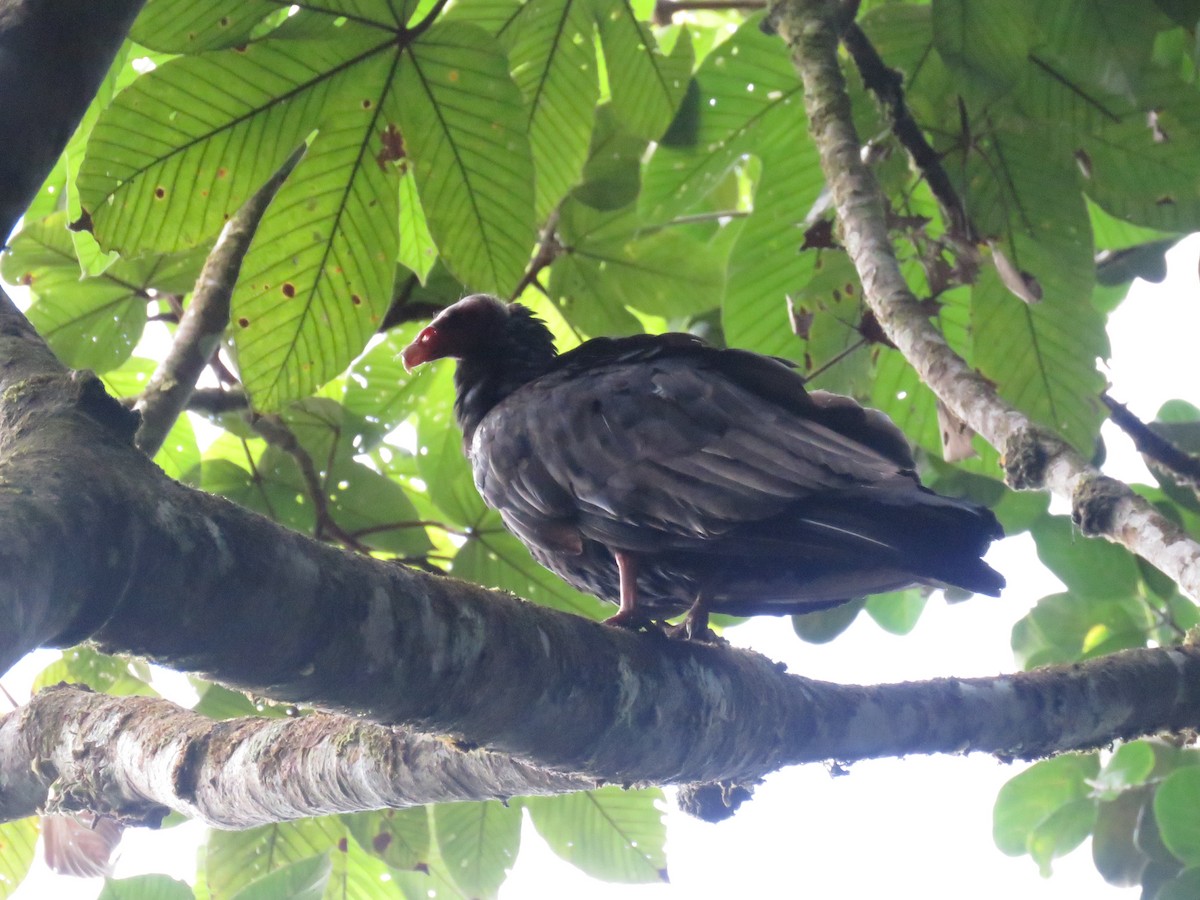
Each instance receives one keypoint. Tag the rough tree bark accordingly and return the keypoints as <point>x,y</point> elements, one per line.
<point>1034,458</point>
<point>96,542</point>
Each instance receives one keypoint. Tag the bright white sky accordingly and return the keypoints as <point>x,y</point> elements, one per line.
<point>919,826</point>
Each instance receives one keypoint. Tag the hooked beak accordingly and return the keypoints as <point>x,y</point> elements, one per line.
<point>419,351</point>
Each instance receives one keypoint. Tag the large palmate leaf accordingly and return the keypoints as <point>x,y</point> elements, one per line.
<point>552,54</point>
<point>463,126</point>
<point>610,833</point>
<point>747,99</point>
<point>318,276</point>
<point>91,323</point>
<point>612,266</point>
<point>179,150</point>
<point>184,26</point>
<point>478,843</point>
<point>646,84</point>
<point>1043,357</point>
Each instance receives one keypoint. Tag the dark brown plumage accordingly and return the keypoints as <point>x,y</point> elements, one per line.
<point>663,474</point>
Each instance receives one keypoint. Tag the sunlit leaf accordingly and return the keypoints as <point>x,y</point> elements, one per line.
<point>609,833</point>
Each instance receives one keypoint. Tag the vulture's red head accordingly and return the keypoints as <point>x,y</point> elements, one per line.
<point>458,331</point>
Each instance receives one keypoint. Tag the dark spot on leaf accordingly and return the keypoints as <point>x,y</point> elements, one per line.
<point>356,300</point>
<point>83,223</point>
<point>223,21</point>
<point>239,48</point>
<point>1165,200</point>
<point>244,322</point>
<point>204,193</point>
<point>222,172</point>
<point>392,149</point>
<point>837,295</point>
<point>343,845</point>
<point>289,289</point>
<point>160,192</point>
<point>421,867</point>
<point>819,236</point>
<point>871,331</point>
<point>27,279</point>
<point>366,104</point>
<point>849,289</point>
<point>381,841</point>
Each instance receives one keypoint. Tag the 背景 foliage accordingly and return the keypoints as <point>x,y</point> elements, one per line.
<point>621,177</point>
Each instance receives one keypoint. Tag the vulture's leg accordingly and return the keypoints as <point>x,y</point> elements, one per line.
<point>628,616</point>
<point>694,627</point>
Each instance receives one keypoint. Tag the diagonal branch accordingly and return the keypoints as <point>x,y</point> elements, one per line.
<point>203,322</point>
<point>97,542</point>
<point>53,57</point>
<point>1182,467</point>
<point>238,773</point>
<point>1035,458</point>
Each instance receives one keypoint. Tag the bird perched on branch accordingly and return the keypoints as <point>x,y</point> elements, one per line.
<point>664,475</point>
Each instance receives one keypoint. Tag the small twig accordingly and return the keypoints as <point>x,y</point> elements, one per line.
<point>203,322</point>
<point>276,433</point>
<point>1183,467</point>
<point>214,401</point>
<point>549,248</point>
<point>888,87</point>
<point>416,523</point>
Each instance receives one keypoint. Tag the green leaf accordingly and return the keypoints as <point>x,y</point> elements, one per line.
<point>302,880</point>
<point>985,41</point>
<point>17,842</point>
<point>463,125</point>
<point>1129,767</point>
<point>154,887</point>
<point>440,460</point>
<point>399,837</point>
<point>1175,806</point>
<point>494,558</point>
<point>182,148</point>
<point>1061,832</point>
<point>1042,358</point>
<point>378,391</point>
<point>236,859</point>
<point>897,612</point>
<point>612,177</point>
<point>90,323</point>
<point>552,53</point>
<point>1040,811</point>
<point>610,833</point>
<point>646,84</point>
<point>114,675</point>
<point>179,455</point>
<point>130,378</point>
<point>1141,173</point>
<point>418,253</point>
<point>1114,848</point>
<point>611,267</point>
<point>318,276</point>
<point>360,875</point>
<point>478,842</point>
<point>1090,567</point>
<point>184,26</point>
<point>1067,628</point>
<point>824,625</point>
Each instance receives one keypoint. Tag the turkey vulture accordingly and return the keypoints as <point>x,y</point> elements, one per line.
<point>662,474</point>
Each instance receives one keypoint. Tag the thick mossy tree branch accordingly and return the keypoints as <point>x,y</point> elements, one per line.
<point>53,56</point>
<point>1034,457</point>
<point>203,323</point>
<point>136,758</point>
<point>96,542</point>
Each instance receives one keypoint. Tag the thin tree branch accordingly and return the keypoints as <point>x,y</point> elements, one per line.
<point>53,57</point>
<point>888,87</point>
<point>1034,457</point>
<point>237,773</point>
<point>1182,467</point>
<point>214,401</point>
<point>203,322</point>
<point>276,433</point>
